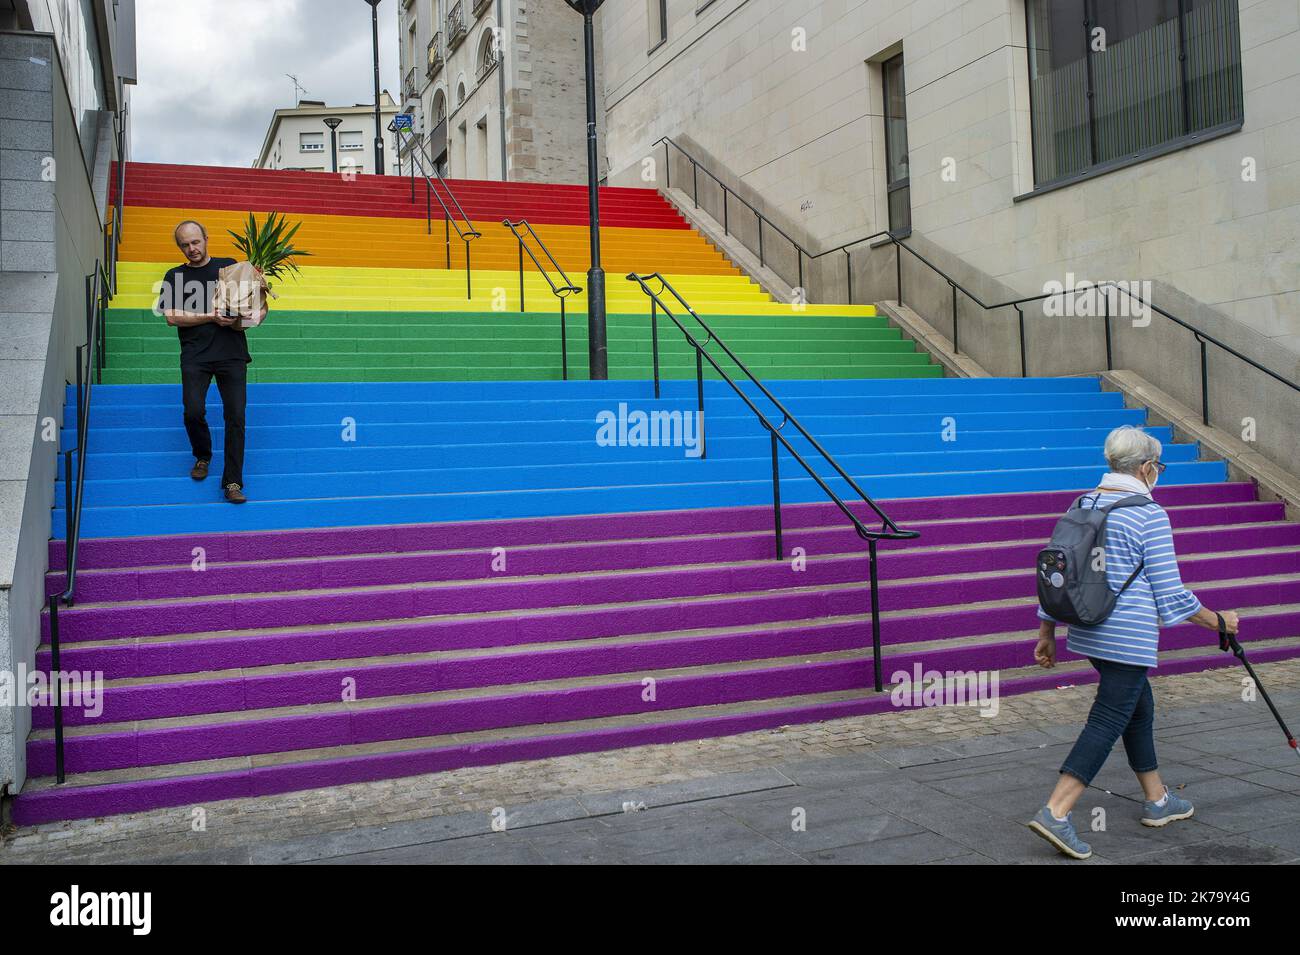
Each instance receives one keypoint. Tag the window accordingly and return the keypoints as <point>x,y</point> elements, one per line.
<point>311,142</point>
<point>656,15</point>
<point>351,139</point>
<point>897,177</point>
<point>1113,80</point>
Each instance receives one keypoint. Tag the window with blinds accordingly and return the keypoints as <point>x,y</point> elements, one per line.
<point>1113,80</point>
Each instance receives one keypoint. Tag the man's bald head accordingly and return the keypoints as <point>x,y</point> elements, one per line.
<point>192,240</point>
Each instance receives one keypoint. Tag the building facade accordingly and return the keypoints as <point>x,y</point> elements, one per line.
<point>66,70</point>
<point>496,88</point>
<point>298,138</point>
<point>1020,145</point>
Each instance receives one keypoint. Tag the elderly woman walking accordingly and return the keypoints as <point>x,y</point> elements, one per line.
<point>1123,646</point>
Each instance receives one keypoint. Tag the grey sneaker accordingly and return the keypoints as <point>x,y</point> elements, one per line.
<point>1175,808</point>
<point>1060,833</point>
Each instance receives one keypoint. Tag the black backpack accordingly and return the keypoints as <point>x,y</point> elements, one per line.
<point>1071,587</point>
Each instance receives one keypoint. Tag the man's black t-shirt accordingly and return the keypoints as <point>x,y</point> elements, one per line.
<point>189,288</point>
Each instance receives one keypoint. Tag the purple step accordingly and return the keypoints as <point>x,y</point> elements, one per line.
<point>161,746</point>
<point>318,542</point>
<point>241,611</point>
<point>267,691</point>
<point>267,649</point>
<point>620,596</point>
<point>135,583</point>
<point>72,802</point>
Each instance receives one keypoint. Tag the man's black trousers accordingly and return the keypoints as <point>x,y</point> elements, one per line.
<point>232,383</point>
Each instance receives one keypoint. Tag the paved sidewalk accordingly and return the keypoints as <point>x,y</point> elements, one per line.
<point>957,790</point>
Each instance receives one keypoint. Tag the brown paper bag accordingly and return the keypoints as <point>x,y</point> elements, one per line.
<point>241,290</point>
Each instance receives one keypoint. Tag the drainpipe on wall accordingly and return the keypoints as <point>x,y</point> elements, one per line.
<point>501,82</point>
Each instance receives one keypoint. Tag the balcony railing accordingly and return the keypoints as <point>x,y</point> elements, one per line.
<point>436,56</point>
<point>409,90</point>
<point>488,65</point>
<point>456,28</point>
<point>480,6</point>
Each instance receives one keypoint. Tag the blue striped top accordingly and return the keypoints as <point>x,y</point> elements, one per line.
<point>1155,599</point>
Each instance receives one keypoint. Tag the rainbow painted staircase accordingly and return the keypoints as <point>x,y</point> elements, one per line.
<point>441,567</point>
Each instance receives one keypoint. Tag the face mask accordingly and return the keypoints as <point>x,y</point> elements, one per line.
<point>1155,479</point>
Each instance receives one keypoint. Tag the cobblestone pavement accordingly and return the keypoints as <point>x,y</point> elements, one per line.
<point>941,784</point>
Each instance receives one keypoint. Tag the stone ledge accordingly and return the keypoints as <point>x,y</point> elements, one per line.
<point>931,340</point>
<point>731,247</point>
<point>1244,461</point>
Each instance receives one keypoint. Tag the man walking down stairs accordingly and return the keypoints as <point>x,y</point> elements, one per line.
<point>212,345</point>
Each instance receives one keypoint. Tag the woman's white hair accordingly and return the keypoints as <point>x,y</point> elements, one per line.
<point>1128,448</point>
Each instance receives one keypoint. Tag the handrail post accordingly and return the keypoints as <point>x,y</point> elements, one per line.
<point>668,167</point>
<point>956,348</point>
<point>848,274</point>
<point>875,616</point>
<point>699,388</point>
<point>67,482</point>
<point>446,231</point>
<point>1105,318</point>
<point>564,343</point>
<point>428,209</point>
<point>1024,366</point>
<point>55,688</point>
<point>521,273</point>
<point>762,260</point>
<point>799,254</point>
<point>654,341</point>
<point>1205,384</point>
<point>776,498</point>
<point>468,293</point>
<point>695,182</point>
<point>726,224</point>
<point>898,270</point>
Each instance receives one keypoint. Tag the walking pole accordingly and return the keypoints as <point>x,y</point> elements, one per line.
<point>1228,643</point>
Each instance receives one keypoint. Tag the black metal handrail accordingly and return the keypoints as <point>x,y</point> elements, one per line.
<point>559,291</point>
<point>889,530</point>
<point>466,234</point>
<point>74,493</point>
<point>1203,338</point>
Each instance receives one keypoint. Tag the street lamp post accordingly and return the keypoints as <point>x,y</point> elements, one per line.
<point>333,123</point>
<point>379,136</point>
<point>597,348</point>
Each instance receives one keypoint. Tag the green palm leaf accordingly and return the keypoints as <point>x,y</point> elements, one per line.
<point>268,246</point>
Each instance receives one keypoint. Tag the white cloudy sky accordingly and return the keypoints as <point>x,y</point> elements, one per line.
<point>204,97</point>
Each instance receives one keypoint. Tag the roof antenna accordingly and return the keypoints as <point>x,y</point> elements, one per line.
<point>298,89</point>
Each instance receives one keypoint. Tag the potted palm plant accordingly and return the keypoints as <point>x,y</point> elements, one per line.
<point>269,254</point>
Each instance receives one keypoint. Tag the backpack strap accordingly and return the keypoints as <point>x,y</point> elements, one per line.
<point>1136,500</point>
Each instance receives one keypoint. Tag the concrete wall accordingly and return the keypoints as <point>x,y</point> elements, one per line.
<point>50,237</point>
<point>799,132</point>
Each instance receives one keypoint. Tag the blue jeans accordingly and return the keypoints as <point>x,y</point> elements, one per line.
<point>1124,707</point>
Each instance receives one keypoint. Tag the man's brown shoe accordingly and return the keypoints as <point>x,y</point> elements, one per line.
<point>200,469</point>
<point>234,495</point>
